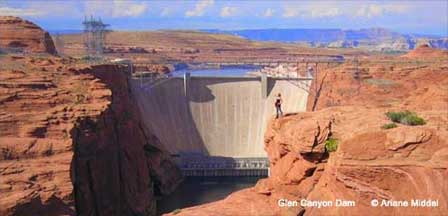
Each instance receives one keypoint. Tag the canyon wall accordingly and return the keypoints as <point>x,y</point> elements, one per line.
<point>72,142</point>
<point>402,163</point>
<point>116,166</point>
<point>406,82</point>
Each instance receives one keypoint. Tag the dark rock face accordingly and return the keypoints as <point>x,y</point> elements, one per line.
<point>113,171</point>
<point>22,35</point>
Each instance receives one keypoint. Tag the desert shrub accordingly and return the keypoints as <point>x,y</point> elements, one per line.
<point>405,117</point>
<point>389,126</point>
<point>331,145</point>
<point>413,120</point>
<point>397,116</point>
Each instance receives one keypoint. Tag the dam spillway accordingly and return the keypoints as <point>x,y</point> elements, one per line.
<point>216,116</point>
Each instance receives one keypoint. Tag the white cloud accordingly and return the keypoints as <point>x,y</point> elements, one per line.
<point>369,11</point>
<point>325,12</point>
<point>165,12</point>
<point>374,10</point>
<point>312,10</point>
<point>199,8</point>
<point>126,8</point>
<point>228,11</point>
<point>268,12</point>
<point>8,11</point>
<point>116,8</point>
<point>319,9</point>
<point>40,9</point>
<point>290,12</point>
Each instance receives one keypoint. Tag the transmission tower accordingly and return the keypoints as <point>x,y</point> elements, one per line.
<point>94,35</point>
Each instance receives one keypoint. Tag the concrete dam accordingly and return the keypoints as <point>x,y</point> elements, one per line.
<point>220,120</point>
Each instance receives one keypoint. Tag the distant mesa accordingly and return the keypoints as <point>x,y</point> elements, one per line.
<point>21,35</point>
<point>375,39</point>
<point>426,51</point>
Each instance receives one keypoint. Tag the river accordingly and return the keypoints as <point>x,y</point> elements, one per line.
<point>200,190</point>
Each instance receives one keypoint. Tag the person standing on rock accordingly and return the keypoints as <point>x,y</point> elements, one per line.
<point>278,106</point>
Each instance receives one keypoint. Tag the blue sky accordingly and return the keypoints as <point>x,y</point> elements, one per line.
<point>426,17</point>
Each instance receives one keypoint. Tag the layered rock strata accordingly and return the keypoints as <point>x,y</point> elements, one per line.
<point>20,35</point>
<point>72,142</point>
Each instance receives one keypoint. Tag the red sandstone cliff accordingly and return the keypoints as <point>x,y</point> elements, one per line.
<point>403,163</point>
<point>426,52</point>
<point>154,68</point>
<point>115,167</point>
<point>72,143</point>
<point>377,83</point>
<point>23,35</point>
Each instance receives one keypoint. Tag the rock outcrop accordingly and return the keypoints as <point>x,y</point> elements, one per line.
<point>416,86</point>
<point>21,35</point>
<point>403,163</point>
<point>72,143</point>
<point>426,52</point>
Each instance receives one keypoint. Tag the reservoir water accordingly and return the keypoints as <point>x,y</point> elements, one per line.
<point>225,71</point>
<point>200,190</point>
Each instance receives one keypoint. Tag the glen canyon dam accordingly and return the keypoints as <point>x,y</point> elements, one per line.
<point>216,116</point>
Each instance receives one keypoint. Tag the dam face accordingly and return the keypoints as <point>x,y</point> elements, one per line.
<point>216,116</point>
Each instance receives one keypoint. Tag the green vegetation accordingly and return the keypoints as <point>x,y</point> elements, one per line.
<point>405,117</point>
<point>397,116</point>
<point>331,145</point>
<point>389,126</point>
